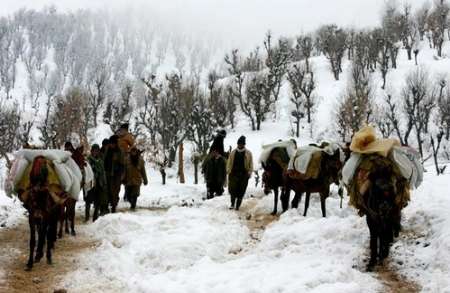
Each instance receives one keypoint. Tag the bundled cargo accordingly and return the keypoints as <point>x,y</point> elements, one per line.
<point>306,162</point>
<point>370,154</point>
<point>289,145</point>
<point>62,171</point>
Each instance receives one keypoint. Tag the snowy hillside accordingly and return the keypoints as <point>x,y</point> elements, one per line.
<point>178,242</point>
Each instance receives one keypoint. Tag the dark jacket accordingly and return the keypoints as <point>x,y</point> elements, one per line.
<point>114,163</point>
<point>214,170</point>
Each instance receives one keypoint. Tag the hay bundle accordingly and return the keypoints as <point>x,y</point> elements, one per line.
<point>370,155</point>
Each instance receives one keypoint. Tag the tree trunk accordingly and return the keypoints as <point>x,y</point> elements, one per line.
<point>408,51</point>
<point>163,175</point>
<point>196,171</point>
<point>181,164</point>
<point>172,156</point>
<point>297,130</point>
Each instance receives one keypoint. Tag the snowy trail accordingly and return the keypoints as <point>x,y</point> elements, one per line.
<point>43,278</point>
<point>208,248</point>
<point>388,275</point>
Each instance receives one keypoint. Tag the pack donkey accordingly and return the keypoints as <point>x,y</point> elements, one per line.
<point>275,167</point>
<point>43,202</point>
<point>329,172</point>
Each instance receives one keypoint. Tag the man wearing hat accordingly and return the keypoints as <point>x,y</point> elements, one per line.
<point>239,170</point>
<point>97,195</point>
<point>126,139</point>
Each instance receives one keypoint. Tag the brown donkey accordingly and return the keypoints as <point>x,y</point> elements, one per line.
<point>43,203</point>
<point>330,168</point>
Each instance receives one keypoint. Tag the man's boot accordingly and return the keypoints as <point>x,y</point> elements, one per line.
<point>87,209</point>
<point>238,203</point>
<point>233,200</point>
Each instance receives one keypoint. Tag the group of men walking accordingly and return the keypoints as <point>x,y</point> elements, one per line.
<point>117,162</point>
<point>237,166</point>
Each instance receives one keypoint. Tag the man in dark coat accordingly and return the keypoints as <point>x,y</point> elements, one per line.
<point>214,170</point>
<point>97,195</point>
<point>239,169</point>
<point>115,169</point>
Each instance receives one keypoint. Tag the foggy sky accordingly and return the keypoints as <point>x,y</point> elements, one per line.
<point>243,21</point>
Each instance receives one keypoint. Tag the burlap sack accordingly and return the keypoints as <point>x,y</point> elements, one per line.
<point>366,142</point>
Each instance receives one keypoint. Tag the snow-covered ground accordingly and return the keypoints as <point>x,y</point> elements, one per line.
<point>423,252</point>
<point>207,248</point>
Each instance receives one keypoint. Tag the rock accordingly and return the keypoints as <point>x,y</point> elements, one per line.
<point>60,291</point>
<point>37,280</point>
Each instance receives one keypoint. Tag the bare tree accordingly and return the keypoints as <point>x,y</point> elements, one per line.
<point>10,123</point>
<point>67,117</point>
<point>438,24</point>
<point>236,88</point>
<point>418,102</point>
<point>230,104</point>
<point>277,59</point>
<point>217,100</point>
<point>99,77</point>
<point>421,18</point>
<point>444,107</point>
<point>7,58</point>
<point>392,115</point>
<point>436,145</point>
<point>331,40</point>
<point>355,107</point>
<point>302,86</point>
<point>121,109</point>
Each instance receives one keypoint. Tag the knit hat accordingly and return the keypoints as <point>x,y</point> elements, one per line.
<point>114,139</point>
<point>241,140</point>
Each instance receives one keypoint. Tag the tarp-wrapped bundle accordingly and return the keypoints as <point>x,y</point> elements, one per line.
<point>306,162</point>
<point>62,171</point>
<point>289,145</point>
<point>369,154</point>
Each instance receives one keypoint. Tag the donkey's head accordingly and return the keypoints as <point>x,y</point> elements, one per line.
<point>332,165</point>
<point>266,178</point>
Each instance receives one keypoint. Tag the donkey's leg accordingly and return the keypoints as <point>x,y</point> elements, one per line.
<point>41,242</point>
<point>285,195</point>
<point>296,200</point>
<point>87,210</point>
<point>323,198</point>
<point>307,197</point>
<point>52,230</point>
<point>275,201</point>
<point>66,218</point>
<point>72,218</point>
<point>32,244</point>
<point>61,217</point>
<point>373,243</point>
<point>50,239</point>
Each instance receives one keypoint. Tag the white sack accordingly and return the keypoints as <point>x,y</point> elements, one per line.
<point>348,171</point>
<point>88,177</point>
<point>300,161</point>
<point>289,145</point>
<point>64,175</point>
